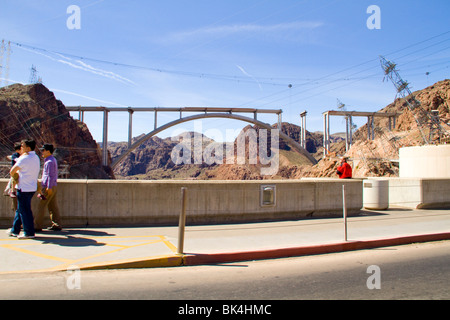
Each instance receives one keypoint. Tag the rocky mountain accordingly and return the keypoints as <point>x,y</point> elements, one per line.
<point>152,160</point>
<point>33,111</point>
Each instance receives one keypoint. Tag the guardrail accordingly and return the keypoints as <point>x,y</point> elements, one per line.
<point>63,170</point>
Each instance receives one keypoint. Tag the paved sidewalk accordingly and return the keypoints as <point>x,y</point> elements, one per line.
<point>141,247</point>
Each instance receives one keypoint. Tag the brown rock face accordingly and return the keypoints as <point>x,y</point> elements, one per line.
<point>33,111</point>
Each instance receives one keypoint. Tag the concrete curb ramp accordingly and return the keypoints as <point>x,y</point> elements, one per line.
<point>214,258</point>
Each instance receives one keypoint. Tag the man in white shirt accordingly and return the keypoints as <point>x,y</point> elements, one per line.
<point>28,167</point>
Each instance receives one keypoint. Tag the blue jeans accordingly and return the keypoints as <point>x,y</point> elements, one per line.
<point>24,215</point>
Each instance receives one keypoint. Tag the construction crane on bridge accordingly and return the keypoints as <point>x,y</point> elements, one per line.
<point>423,117</point>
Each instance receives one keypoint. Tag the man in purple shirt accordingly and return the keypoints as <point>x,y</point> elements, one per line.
<point>49,187</point>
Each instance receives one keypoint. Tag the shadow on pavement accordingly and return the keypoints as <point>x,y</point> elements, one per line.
<point>72,237</point>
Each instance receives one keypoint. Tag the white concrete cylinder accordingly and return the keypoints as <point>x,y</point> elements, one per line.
<point>376,194</point>
<point>425,162</point>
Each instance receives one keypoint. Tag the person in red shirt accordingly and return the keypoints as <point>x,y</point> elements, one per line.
<point>344,171</point>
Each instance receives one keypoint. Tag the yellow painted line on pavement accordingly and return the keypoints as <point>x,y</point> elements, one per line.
<point>122,237</point>
<point>33,253</point>
<point>117,245</point>
<point>75,262</point>
<point>70,262</point>
<point>168,244</point>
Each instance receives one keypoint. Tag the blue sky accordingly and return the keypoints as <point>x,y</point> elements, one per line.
<point>231,53</point>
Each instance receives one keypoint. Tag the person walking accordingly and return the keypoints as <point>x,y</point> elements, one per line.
<point>15,179</point>
<point>28,167</point>
<point>10,190</point>
<point>49,189</point>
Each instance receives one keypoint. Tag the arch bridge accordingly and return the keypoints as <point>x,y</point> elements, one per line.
<point>203,113</point>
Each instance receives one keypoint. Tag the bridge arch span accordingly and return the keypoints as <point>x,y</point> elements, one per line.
<point>291,142</point>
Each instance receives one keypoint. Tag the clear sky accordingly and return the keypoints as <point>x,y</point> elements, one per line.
<point>293,55</point>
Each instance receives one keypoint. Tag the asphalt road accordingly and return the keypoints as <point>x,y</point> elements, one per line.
<point>417,271</point>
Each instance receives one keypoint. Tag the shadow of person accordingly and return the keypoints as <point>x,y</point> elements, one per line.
<point>68,241</point>
<point>86,232</point>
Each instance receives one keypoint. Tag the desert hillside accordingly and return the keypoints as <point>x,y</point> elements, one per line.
<point>376,158</point>
<point>33,111</point>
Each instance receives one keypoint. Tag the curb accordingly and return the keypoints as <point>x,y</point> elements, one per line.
<point>151,262</point>
<point>213,258</point>
<point>200,259</point>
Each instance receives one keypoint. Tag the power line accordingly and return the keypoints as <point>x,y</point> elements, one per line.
<point>353,80</point>
<point>233,78</point>
<point>213,76</point>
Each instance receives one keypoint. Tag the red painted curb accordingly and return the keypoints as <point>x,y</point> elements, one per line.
<point>199,259</point>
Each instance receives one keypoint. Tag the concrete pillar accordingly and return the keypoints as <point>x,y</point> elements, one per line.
<point>303,130</point>
<point>81,115</point>
<point>346,134</point>
<point>326,134</point>
<point>350,120</point>
<point>373,127</point>
<point>105,138</point>
<point>130,126</point>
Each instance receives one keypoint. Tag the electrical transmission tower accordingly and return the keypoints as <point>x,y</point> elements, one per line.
<point>5,48</point>
<point>2,51</point>
<point>8,59</point>
<point>423,117</point>
<point>34,75</point>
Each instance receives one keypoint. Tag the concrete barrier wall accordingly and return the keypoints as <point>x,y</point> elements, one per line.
<point>98,202</point>
<point>419,193</point>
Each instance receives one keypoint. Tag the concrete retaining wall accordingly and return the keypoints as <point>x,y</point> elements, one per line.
<point>98,202</point>
<point>419,193</point>
<point>413,193</point>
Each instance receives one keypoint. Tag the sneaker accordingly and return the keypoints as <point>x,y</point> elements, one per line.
<point>10,233</point>
<point>54,228</point>
<point>25,237</point>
